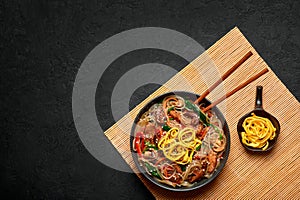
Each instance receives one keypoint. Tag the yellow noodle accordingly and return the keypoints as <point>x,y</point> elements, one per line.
<point>179,145</point>
<point>258,130</point>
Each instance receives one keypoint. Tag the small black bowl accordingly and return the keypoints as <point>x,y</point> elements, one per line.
<point>259,111</point>
<point>202,182</point>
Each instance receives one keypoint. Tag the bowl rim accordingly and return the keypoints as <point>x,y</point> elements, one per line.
<point>202,182</point>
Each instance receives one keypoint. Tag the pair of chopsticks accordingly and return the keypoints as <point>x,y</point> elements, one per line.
<point>228,73</point>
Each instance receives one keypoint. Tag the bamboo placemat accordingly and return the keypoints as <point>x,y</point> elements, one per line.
<point>271,175</point>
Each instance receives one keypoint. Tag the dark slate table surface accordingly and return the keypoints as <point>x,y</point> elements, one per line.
<point>43,44</point>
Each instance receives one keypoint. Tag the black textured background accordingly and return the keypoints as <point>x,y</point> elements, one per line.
<point>42,46</point>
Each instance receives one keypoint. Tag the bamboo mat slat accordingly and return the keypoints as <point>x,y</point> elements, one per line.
<point>271,175</point>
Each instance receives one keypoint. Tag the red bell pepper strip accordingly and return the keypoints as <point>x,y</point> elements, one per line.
<point>139,143</point>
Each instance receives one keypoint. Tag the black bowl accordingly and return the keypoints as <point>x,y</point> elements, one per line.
<point>202,182</point>
<point>264,114</point>
<point>259,111</point>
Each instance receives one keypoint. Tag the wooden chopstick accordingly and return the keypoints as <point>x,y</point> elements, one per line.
<point>229,72</point>
<point>253,78</point>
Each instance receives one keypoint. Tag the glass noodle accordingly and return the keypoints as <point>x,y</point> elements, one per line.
<point>177,143</point>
